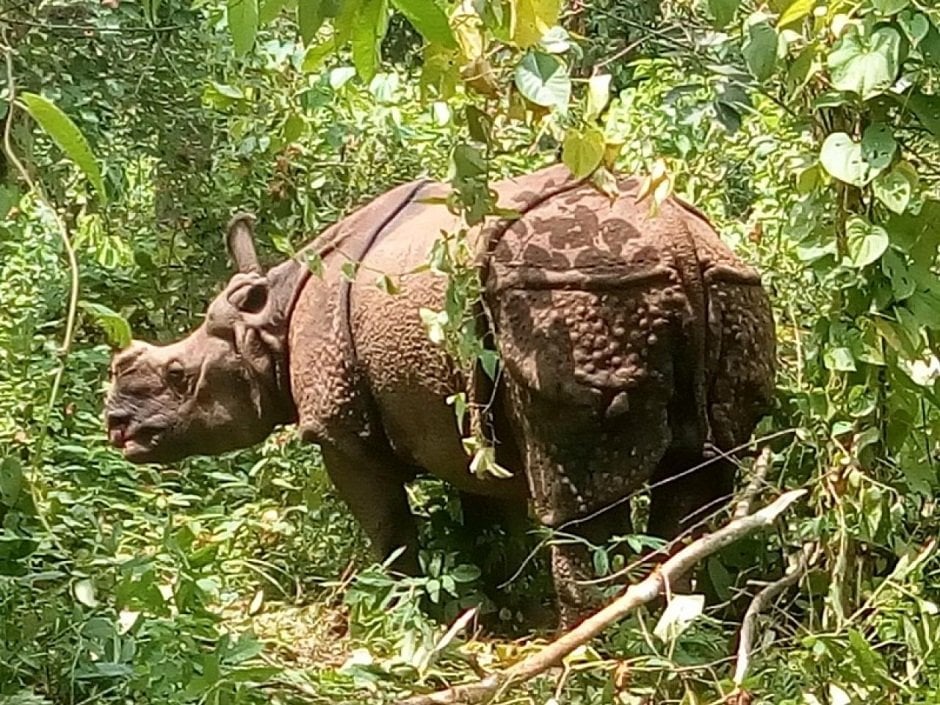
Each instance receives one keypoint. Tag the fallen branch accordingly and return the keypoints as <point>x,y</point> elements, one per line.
<point>758,474</point>
<point>635,596</point>
<point>760,602</point>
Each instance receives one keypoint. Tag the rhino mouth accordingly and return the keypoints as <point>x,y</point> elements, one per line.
<point>136,441</point>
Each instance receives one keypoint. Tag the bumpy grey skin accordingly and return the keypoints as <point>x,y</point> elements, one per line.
<point>632,344</point>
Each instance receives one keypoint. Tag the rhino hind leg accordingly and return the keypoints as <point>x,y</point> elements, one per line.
<point>373,488</point>
<point>742,371</point>
<point>688,486</point>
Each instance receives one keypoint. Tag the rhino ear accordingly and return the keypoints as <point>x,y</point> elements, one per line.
<point>240,240</point>
<point>251,297</point>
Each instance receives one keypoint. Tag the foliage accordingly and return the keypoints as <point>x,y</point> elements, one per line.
<point>807,132</point>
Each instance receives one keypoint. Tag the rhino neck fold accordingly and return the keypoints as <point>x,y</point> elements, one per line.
<point>286,282</point>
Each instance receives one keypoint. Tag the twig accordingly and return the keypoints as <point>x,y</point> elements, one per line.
<point>758,605</point>
<point>635,596</point>
<point>758,475</point>
<point>623,500</point>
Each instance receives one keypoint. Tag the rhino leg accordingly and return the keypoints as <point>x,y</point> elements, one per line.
<point>374,490</point>
<point>687,486</point>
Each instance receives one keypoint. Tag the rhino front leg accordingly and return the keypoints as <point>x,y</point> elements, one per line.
<point>374,491</point>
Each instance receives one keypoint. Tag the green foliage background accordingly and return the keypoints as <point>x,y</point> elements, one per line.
<point>808,133</point>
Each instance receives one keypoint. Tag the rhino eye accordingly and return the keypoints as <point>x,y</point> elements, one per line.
<point>176,374</point>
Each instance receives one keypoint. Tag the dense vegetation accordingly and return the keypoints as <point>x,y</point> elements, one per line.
<point>133,128</point>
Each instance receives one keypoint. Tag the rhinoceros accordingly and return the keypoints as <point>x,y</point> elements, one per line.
<point>633,347</point>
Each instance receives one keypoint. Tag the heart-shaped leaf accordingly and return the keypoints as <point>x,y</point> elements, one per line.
<point>543,79</point>
<point>844,159</point>
<point>760,49</point>
<point>582,151</point>
<point>866,242</point>
<point>894,189</point>
<point>867,65</point>
<point>927,109</point>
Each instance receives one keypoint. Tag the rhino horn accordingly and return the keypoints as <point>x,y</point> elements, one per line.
<point>240,240</point>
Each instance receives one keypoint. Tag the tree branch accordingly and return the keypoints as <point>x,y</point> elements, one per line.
<point>635,596</point>
<point>760,602</point>
<point>758,475</point>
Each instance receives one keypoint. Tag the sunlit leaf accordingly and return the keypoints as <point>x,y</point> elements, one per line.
<point>67,136</point>
<point>115,326</point>
<point>543,79</point>
<point>796,11</point>
<point>598,94</point>
<point>530,19</point>
<point>367,33</point>
<point>866,242</point>
<point>894,189</point>
<point>582,151</point>
<point>681,611</point>
<point>84,592</point>
<point>845,159</point>
<point>867,65</point>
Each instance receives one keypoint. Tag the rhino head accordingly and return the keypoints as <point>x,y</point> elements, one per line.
<point>225,386</point>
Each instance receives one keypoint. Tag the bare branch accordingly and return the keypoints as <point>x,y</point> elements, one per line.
<point>635,596</point>
<point>758,475</point>
<point>760,602</point>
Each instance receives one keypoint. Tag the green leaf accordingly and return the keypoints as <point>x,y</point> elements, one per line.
<point>367,32</point>
<point>796,11</point>
<point>315,54</point>
<point>894,189</point>
<point>310,18</point>
<point>429,20</point>
<point>878,146</point>
<point>866,243</point>
<point>582,152</point>
<point>314,263</point>
<point>115,326</point>
<point>269,10</point>
<point>543,79</point>
<point>11,480</point>
<point>479,124</point>
<point>294,127</point>
<point>903,285</point>
<point>760,49</point>
<point>867,65</point>
<point>927,109</point>
<point>890,7</point>
<point>465,573</point>
<point>916,26</point>
<point>469,161</point>
<point>845,160</point>
<point>243,24</point>
<point>67,136</point>
<point>839,359</point>
<point>723,10</point>
<point>349,270</point>
<point>387,285</point>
